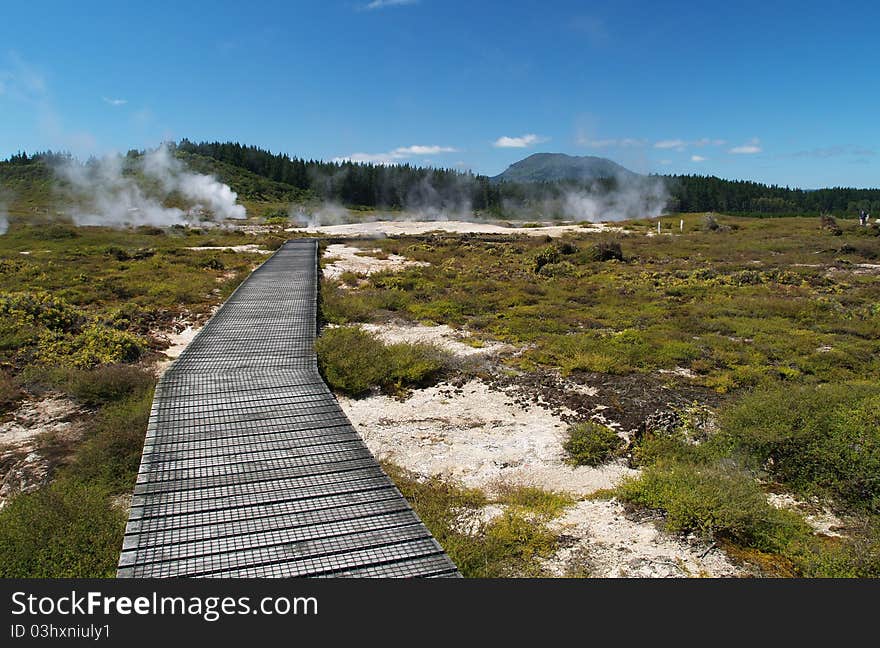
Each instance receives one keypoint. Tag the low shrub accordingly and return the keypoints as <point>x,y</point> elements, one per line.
<point>109,456</point>
<point>819,440</point>
<point>92,387</point>
<point>509,545</point>
<point>590,444</point>
<point>414,364</point>
<point>64,530</point>
<point>95,345</point>
<point>352,360</point>
<point>714,500</point>
<point>605,251</point>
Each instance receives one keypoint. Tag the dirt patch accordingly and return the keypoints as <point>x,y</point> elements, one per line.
<point>33,439</point>
<point>622,402</point>
<point>600,538</point>
<point>351,259</point>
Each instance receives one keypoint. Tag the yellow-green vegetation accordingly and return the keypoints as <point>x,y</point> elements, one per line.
<point>813,440</point>
<point>762,300</point>
<point>353,361</point>
<point>79,306</point>
<point>780,316</point>
<point>89,296</point>
<point>66,529</point>
<point>590,444</point>
<point>71,527</point>
<point>510,544</point>
<point>819,440</point>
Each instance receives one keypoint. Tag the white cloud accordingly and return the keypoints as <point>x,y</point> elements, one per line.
<point>523,141</point>
<point>626,142</point>
<point>384,4</point>
<point>698,158</point>
<point>676,144</point>
<point>115,102</point>
<point>706,141</point>
<point>752,147</point>
<point>417,149</point>
<point>400,153</point>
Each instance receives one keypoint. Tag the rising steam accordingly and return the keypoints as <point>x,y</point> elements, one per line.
<point>631,197</point>
<point>4,218</point>
<point>112,193</point>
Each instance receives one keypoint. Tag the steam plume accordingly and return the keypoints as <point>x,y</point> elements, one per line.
<point>112,196</point>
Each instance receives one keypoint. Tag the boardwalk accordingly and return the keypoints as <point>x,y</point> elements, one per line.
<point>251,469</point>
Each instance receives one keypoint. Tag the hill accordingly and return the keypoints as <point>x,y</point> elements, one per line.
<point>559,167</point>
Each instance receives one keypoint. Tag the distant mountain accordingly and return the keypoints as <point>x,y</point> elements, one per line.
<point>552,167</point>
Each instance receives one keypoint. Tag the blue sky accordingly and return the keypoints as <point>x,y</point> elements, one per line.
<point>780,92</point>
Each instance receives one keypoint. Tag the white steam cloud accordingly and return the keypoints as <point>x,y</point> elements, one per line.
<point>114,197</point>
<point>4,218</point>
<point>633,197</point>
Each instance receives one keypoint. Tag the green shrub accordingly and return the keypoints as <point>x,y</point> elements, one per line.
<point>64,530</point>
<point>109,456</point>
<point>94,346</point>
<point>40,308</point>
<point>605,251</point>
<point>590,444</point>
<point>414,364</point>
<point>507,546</point>
<point>352,360</point>
<point>714,500</point>
<point>533,500</point>
<point>819,440</point>
<point>545,256</point>
<point>90,386</point>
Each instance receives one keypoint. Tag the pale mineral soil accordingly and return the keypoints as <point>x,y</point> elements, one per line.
<point>483,436</point>
<point>249,247</point>
<point>30,437</point>
<point>458,343</point>
<point>346,258</point>
<point>375,229</point>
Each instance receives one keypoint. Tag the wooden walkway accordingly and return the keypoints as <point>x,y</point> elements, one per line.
<point>251,469</point>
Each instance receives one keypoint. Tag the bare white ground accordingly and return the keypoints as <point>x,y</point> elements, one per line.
<point>605,543</point>
<point>250,247</point>
<point>481,437</point>
<point>352,259</point>
<point>24,468</point>
<point>398,228</point>
<point>443,336</point>
<point>819,517</point>
<point>35,417</point>
<point>475,435</point>
<point>178,342</point>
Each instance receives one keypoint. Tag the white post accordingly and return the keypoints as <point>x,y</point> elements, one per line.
<point>658,225</point>
<point>681,225</point>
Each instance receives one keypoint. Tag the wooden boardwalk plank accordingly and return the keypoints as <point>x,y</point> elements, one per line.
<point>250,467</point>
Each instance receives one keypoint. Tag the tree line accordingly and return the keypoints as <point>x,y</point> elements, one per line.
<point>406,186</point>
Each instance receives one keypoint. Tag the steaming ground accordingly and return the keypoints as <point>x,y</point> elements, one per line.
<point>418,227</point>
<point>113,192</point>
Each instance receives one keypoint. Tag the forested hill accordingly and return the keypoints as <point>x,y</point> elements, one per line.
<point>692,193</point>
<point>370,185</point>
<point>259,175</point>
